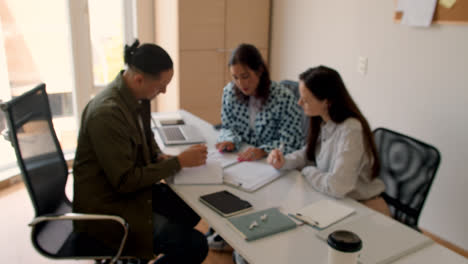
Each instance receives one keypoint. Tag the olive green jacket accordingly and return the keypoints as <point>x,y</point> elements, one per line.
<point>114,169</point>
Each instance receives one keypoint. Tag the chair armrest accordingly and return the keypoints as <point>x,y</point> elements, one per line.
<point>77,216</point>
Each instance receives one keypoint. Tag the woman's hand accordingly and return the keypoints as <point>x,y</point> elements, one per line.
<point>251,154</point>
<point>276,159</point>
<point>225,146</point>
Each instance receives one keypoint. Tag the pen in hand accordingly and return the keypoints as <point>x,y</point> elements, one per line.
<point>280,149</point>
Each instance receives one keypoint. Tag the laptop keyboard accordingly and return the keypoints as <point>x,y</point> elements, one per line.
<point>173,133</point>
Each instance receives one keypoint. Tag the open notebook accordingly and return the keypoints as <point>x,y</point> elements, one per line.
<point>250,175</point>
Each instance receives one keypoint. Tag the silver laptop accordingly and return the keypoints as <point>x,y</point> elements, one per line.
<point>180,134</point>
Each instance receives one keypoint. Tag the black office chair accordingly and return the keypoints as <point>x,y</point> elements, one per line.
<point>45,172</point>
<point>408,168</point>
<point>294,87</point>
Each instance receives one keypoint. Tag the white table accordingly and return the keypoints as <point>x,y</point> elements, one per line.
<point>290,192</point>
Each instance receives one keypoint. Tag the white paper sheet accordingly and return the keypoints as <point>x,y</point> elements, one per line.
<point>210,173</point>
<point>225,159</point>
<point>417,12</point>
<point>250,175</point>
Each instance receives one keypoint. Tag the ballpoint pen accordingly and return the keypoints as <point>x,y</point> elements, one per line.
<point>309,221</point>
<point>281,149</point>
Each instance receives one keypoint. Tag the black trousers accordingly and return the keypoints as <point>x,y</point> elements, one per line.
<point>173,232</point>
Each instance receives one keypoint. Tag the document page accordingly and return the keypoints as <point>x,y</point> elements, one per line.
<point>250,175</point>
<point>225,159</point>
<point>210,173</point>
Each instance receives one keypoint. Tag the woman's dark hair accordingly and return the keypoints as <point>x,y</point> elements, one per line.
<point>326,83</point>
<point>147,58</point>
<point>248,55</point>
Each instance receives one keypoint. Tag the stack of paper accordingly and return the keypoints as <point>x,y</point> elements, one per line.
<point>210,173</point>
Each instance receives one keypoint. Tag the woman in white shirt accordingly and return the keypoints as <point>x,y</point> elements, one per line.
<point>340,157</point>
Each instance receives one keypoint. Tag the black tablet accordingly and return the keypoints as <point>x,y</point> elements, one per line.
<point>225,203</point>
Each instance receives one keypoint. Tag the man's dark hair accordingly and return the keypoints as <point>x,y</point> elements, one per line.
<point>147,58</point>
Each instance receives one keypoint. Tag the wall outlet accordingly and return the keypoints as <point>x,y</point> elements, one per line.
<point>362,65</point>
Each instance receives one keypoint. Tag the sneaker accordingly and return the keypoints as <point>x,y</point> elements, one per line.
<point>210,232</point>
<point>216,242</point>
<point>238,259</point>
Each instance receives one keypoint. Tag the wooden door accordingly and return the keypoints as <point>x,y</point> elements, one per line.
<point>247,21</point>
<point>201,83</point>
<point>201,24</point>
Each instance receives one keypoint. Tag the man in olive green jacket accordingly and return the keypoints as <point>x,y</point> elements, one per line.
<point>118,166</point>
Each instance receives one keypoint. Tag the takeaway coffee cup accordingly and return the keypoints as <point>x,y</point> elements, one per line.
<point>343,247</point>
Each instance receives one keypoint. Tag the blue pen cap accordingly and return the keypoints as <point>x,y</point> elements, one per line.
<point>344,241</point>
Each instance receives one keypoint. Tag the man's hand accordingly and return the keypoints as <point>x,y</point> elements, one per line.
<point>251,154</point>
<point>193,156</point>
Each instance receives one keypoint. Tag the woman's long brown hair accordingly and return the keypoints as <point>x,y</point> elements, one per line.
<point>326,83</point>
<point>248,55</point>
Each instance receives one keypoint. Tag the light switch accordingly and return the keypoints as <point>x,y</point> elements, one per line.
<point>362,65</point>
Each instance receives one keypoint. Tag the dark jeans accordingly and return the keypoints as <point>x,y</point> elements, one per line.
<point>173,231</point>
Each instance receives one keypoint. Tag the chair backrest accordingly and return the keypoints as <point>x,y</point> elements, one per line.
<point>294,87</point>
<point>45,173</point>
<point>38,151</point>
<point>408,168</point>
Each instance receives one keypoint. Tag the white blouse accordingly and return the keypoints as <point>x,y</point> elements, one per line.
<point>254,108</point>
<point>343,168</point>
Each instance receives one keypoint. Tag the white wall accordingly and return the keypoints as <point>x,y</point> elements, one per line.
<point>417,83</point>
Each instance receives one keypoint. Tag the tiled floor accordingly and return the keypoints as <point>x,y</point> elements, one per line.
<point>15,243</point>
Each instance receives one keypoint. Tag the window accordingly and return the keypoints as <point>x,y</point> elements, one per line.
<point>106,19</point>
<point>35,48</point>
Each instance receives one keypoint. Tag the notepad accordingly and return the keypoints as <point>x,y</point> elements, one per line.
<point>323,213</point>
<point>268,222</point>
<point>210,173</point>
<point>250,175</point>
<point>225,203</point>
<point>384,239</point>
<point>225,159</point>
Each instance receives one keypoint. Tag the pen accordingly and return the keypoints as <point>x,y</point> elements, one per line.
<point>281,149</point>
<point>309,222</point>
